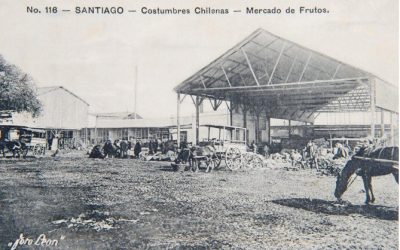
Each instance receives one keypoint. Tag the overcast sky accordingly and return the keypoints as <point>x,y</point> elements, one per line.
<point>94,55</point>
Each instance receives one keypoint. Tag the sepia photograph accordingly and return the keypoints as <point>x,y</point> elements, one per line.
<point>199,124</point>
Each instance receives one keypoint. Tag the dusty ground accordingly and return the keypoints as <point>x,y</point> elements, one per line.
<point>126,204</point>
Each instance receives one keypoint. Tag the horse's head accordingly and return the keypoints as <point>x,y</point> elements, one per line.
<point>343,178</point>
<point>341,186</point>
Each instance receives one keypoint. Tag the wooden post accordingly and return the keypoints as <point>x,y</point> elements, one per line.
<point>257,126</point>
<point>372,108</point>
<point>268,128</point>
<point>290,129</point>
<point>244,110</point>
<point>230,115</point>
<point>391,129</point>
<point>382,122</point>
<point>95,130</point>
<point>197,104</point>
<point>178,125</point>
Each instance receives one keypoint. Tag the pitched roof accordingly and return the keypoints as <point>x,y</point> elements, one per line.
<point>286,79</point>
<point>46,90</point>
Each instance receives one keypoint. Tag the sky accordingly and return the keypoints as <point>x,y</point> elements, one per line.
<point>95,56</point>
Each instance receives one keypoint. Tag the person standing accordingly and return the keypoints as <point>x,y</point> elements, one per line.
<point>155,147</point>
<point>137,149</point>
<point>54,146</point>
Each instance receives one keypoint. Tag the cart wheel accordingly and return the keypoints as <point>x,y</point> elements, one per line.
<point>233,158</point>
<point>37,150</point>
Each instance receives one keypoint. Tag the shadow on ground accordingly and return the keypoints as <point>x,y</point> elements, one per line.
<point>335,208</point>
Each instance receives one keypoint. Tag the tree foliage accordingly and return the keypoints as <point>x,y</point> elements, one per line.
<point>17,90</point>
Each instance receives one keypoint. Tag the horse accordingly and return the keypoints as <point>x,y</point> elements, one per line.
<point>11,146</point>
<point>368,168</point>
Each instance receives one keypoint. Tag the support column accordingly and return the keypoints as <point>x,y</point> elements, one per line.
<point>230,115</point>
<point>197,104</point>
<point>244,111</point>
<point>268,128</point>
<point>178,124</point>
<point>95,131</point>
<point>391,129</point>
<point>372,108</point>
<point>382,122</point>
<point>290,129</point>
<point>257,127</point>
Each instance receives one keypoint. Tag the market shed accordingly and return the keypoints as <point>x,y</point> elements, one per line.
<point>268,76</point>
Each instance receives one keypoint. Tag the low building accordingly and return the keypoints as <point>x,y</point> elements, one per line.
<point>64,113</point>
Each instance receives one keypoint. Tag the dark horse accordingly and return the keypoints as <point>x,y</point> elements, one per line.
<point>12,146</point>
<point>366,164</point>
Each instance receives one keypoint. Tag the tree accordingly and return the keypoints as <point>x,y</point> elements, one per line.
<point>17,90</point>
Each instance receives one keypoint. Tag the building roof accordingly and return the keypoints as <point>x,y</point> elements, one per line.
<point>118,115</point>
<point>286,80</point>
<point>135,123</point>
<point>45,90</point>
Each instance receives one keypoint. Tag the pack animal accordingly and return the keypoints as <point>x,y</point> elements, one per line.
<point>11,146</point>
<point>368,163</point>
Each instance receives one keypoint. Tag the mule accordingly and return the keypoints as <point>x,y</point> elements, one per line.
<point>368,169</point>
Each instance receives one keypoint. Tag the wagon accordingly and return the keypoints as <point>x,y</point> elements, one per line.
<point>27,139</point>
<point>34,141</point>
<point>231,147</point>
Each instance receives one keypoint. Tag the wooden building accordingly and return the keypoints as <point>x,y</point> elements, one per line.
<point>64,113</point>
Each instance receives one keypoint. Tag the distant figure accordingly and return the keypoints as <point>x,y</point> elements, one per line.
<point>54,146</point>
<point>137,149</point>
<point>184,144</point>
<point>341,152</point>
<point>151,147</point>
<point>96,152</point>
<point>266,150</point>
<point>162,147</point>
<point>109,149</point>
<point>253,147</point>
<point>312,153</point>
<point>155,146</point>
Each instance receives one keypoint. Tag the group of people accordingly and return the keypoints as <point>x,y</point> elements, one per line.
<point>154,146</point>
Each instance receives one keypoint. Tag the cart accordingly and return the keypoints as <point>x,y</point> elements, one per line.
<point>24,139</point>
<point>231,147</point>
<point>34,141</point>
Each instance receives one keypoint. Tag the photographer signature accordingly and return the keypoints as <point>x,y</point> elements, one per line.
<point>42,240</point>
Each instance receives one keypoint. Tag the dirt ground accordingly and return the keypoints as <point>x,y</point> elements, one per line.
<point>127,204</point>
